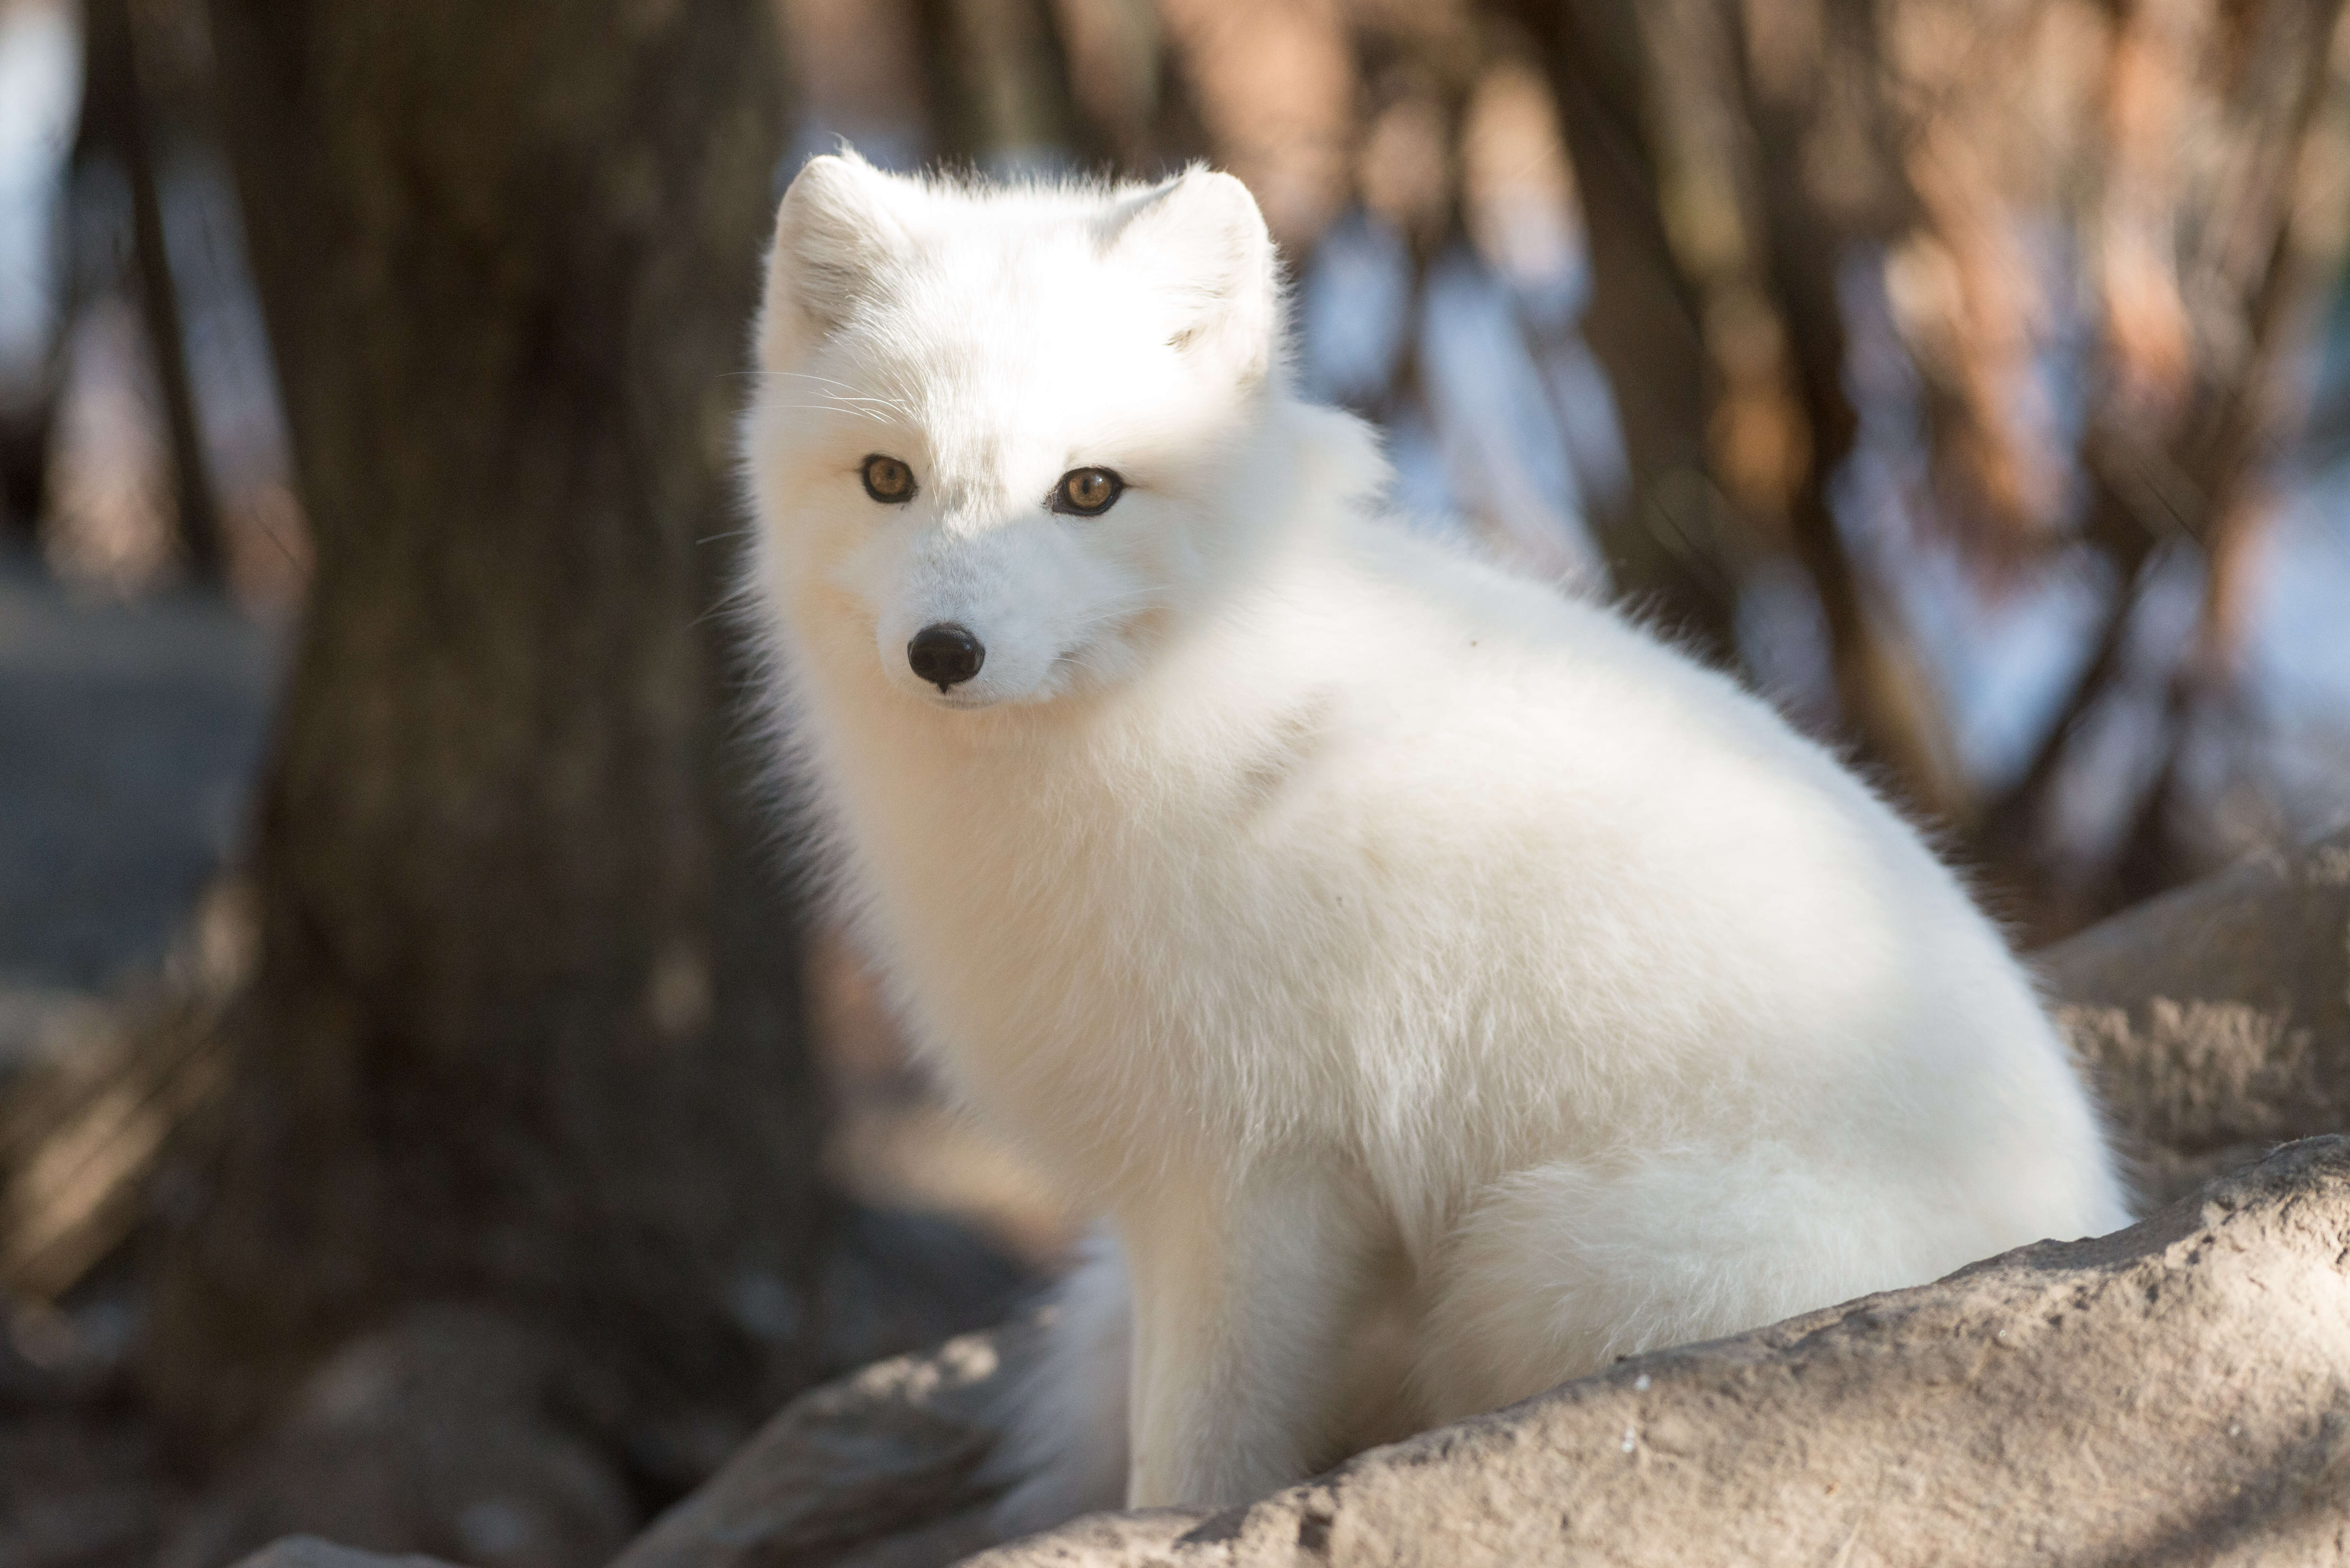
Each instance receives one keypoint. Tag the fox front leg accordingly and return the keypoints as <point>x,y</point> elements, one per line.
<point>1241,1304</point>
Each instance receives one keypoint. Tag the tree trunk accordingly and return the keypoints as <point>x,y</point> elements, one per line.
<point>526,1025</point>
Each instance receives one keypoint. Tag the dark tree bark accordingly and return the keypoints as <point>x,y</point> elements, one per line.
<point>527,1026</point>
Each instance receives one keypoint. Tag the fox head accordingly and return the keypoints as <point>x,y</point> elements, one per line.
<point>1005,441</point>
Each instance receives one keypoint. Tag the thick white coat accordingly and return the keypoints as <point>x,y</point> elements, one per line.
<point>1441,985</point>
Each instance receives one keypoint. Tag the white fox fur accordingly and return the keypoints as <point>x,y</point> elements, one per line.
<point>1442,986</point>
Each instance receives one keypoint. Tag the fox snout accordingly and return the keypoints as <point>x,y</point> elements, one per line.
<point>1019,611</point>
<point>945,655</point>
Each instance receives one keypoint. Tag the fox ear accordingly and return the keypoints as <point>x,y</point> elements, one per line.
<point>1201,237</point>
<point>840,225</point>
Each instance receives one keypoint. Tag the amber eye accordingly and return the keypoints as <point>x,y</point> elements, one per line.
<point>1087,492</point>
<point>888,481</point>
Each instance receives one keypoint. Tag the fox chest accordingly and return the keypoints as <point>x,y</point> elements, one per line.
<point>1085,973</point>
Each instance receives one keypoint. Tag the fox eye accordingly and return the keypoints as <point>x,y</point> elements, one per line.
<point>888,481</point>
<point>1087,492</point>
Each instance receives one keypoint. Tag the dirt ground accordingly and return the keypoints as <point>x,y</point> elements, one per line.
<point>128,738</point>
<point>129,733</point>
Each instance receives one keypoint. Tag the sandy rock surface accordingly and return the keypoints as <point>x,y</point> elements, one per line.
<point>2215,1019</point>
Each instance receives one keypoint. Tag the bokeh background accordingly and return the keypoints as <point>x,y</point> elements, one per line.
<point>431,1112</point>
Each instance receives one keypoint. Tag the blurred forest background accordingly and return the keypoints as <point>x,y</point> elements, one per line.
<point>427,1114</point>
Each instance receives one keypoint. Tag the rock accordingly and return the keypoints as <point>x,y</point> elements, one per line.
<point>2215,1019</point>
<point>443,1432</point>
<point>2179,1392</point>
<point>309,1551</point>
<point>468,1432</point>
<point>82,1485</point>
<point>880,1469</point>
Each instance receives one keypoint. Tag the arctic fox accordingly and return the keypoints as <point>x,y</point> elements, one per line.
<point>1441,986</point>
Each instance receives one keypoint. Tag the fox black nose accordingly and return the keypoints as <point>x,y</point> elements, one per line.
<point>945,655</point>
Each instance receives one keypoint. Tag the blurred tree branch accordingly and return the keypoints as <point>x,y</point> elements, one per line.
<point>1736,161</point>
<point>1663,542</point>
<point>117,126</point>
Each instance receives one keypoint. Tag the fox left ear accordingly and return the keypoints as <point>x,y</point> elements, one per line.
<point>1202,240</point>
<point>840,224</point>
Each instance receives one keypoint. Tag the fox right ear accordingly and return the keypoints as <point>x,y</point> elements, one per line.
<point>836,232</point>
<point>1201,237</point>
